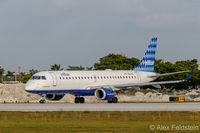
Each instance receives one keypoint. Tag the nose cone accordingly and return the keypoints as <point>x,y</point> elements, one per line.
<point>27,87</point>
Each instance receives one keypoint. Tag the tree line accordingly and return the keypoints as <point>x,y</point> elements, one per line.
<point>121,62</point>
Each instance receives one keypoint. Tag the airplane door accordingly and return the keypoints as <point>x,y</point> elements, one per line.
<point>138,77</point>
<point>95,78</point>
<point>54,79</point>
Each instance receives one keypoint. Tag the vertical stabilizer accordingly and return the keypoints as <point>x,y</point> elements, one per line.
<point>148,60</point>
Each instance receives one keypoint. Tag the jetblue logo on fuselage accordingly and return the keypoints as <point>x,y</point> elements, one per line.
<point>149,63</point>
<point>65,74</point>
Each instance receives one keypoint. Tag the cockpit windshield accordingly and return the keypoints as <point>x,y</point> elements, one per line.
<point>38,78</point>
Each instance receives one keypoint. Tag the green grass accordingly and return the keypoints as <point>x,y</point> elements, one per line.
<point>94,121</point>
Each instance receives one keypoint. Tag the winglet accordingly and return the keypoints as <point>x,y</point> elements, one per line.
<point>188,77</point>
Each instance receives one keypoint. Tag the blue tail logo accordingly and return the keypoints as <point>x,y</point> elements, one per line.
<point>148,60</point>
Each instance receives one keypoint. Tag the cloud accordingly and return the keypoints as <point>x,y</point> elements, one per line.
<point>78,32</point>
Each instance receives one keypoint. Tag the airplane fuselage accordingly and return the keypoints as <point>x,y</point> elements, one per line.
<point>70,81</point>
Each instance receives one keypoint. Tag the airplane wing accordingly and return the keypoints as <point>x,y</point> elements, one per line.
<point>166,74</point>
<point>154,83</point>
<point>143,84</point>
<point>148,83</point>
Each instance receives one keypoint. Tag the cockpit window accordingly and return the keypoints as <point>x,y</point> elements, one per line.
<point>43,77</point>
<point>38,78</point>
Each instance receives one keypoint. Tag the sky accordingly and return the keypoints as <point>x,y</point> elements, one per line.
<point>39,33</point>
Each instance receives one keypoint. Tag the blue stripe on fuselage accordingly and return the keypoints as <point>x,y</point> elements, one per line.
<point>82,92</point>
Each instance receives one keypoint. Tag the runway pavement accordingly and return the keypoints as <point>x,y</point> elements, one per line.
<point>103,107</point>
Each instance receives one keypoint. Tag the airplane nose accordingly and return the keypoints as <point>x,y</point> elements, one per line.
<point>30,86</point>
<point>27,87</point>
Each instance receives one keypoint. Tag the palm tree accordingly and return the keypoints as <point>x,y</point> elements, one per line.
<point>33,71</point>
<point>1,71</point>
<point>56,67</point>
<point>1,74</point>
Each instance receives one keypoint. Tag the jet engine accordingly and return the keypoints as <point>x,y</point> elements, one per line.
<point>54,97</point>
<point>104,93</point>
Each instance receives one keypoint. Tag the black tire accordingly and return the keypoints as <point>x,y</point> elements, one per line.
<point>81,100</point>
<point>114,100</point>
<point>76,100</point>
<point>110,100</point>
<point>42,101</point>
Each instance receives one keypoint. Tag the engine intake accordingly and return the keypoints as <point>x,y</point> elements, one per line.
<point>104,93</point>
<point>54,97</point>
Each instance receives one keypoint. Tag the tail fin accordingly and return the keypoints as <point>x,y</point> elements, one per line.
<point>148,60</point>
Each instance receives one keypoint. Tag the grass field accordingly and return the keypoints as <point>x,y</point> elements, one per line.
<point>93,122</point>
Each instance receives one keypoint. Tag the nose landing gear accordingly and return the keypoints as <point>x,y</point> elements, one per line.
<point>42,101</point>
<point>79,100</point>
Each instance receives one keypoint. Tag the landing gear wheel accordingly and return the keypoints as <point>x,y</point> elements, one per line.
<point>42,101</point>
<point>109,100</point>
<point>81,100</point>
<point>76,100</point>
<point>114,100</point>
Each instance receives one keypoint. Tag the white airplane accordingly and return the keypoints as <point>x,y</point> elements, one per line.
<point>53,85</point>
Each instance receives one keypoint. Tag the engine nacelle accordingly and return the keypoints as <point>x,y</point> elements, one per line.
<point>54,97</point>
<point>104,93</point>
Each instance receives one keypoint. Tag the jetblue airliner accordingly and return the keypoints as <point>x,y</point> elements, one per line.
<point>53,85</point>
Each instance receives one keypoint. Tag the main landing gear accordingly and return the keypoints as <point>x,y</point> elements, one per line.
<point>79,100</point>
<point>113,100</point>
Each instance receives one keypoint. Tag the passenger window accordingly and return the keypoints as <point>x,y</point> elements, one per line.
<point>66,78</point>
